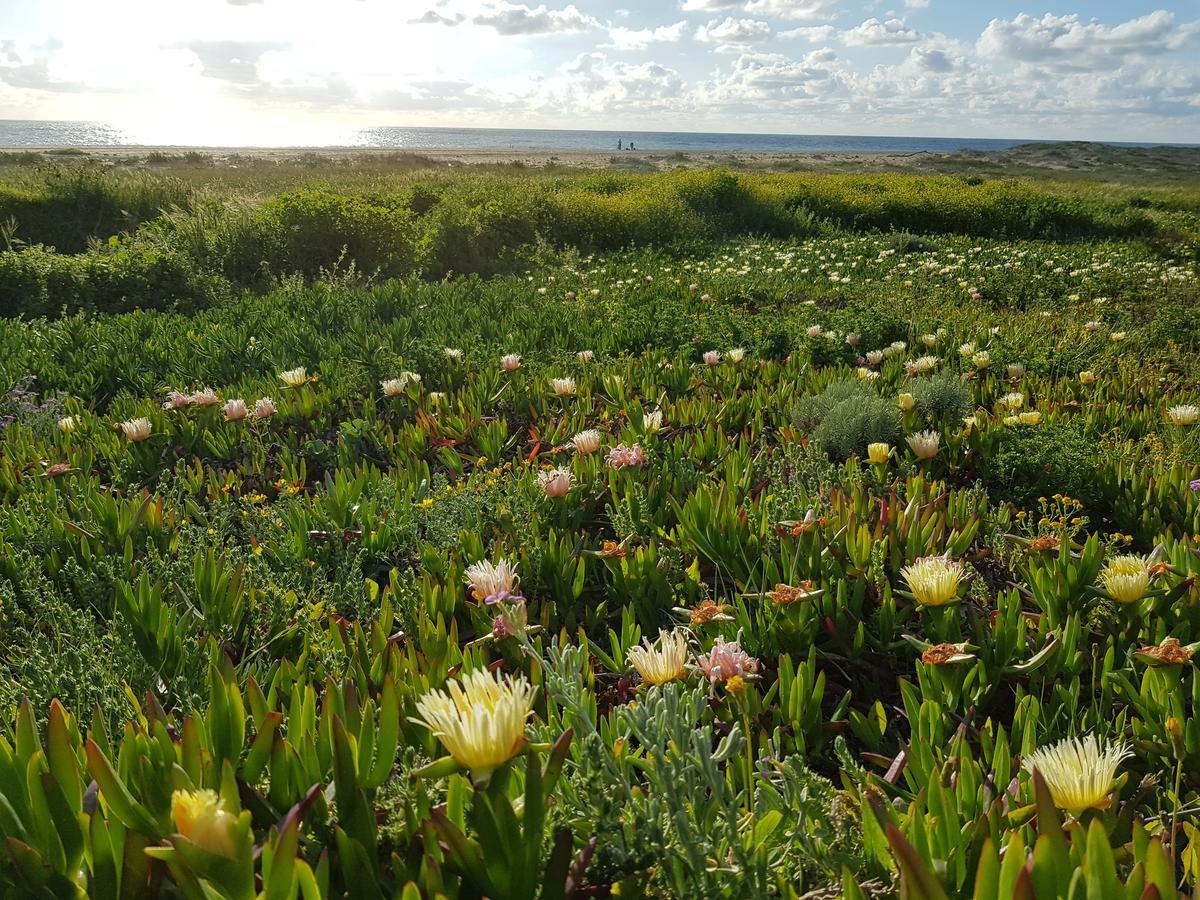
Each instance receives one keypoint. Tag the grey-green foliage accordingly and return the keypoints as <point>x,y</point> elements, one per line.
<point>847,416</point>
<point>942,397</point>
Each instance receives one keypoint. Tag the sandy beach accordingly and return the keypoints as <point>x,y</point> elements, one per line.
<point>588,159</point>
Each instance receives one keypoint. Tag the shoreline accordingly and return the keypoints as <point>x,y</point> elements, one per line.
<point>1076,160</point>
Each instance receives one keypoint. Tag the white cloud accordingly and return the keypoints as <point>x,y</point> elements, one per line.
<point>784,9</point>
<point>814,34</point>
<point>622,38</point>
<point>733,31</point>
<point>1070,43</point>
<point>916,4</point>
<point>510,18</point>
<point>876,33</point>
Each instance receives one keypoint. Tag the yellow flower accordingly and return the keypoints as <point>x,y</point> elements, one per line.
<point>878,452</point>
<point>1079,773</point>
<point>663,661</point>
<point>480,719</point>
<point>933,580</point>
<point>67,424</point>
<point>201,817</point>
<point>1126,578</point>
<point>907,402</point>
<point>1032,417</point>
<point>1087,377</point>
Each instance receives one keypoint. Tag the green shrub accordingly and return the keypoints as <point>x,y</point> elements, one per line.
<point>1043,460</point>
<point>322,229</point>
<point>846,417</point>
<point>39,282</point>
<point>942,397</point>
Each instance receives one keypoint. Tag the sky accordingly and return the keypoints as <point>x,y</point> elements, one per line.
<point>309,71</point>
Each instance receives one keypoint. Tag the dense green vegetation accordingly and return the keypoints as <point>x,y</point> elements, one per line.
<point>777,561</point>
<point>109,240</point>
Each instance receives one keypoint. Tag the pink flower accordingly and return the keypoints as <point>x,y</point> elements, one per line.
<point>621,457</point>
<point>206,397</point>
<point>177,400</point>
<point>264,408</point>
<point>726,660</point>
<point>235,410</point>
<point>712,358</point>
<point>510,362</point>
<point>556,482</point>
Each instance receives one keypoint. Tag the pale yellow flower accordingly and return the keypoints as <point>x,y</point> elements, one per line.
<point>907,402</point>
<point>1126,578</point>
<point>664,660</point>
<point>294,378</point>
<point>879,452</point>
<point>1078,772</point>
<point>201,817</point>
<point>933,580</point>
<point>480,719</point>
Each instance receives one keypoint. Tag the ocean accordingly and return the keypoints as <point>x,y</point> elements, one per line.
<point>24,133</point>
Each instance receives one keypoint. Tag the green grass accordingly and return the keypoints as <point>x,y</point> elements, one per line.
<point>258,606</point>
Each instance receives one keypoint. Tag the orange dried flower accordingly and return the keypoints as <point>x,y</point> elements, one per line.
<point>786,594</point>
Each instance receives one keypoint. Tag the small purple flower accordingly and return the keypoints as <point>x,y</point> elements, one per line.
<point>1195,485</point>
<point>503,597</point>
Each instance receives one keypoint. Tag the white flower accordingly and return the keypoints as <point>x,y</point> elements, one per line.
<point>294,378</point>
<point>136,430</point>
<point>712,358</point>
<point>814,331</point>
<point>488,580</point>
<point>586,441</point>
<point>1187,414</point>
<point>1012,401</point>
<point>981,360</point>
<point>452,354</point>
<point>563,387</point>
<point>966,350</point>
<point>924,444</point>
<point>652,421</point>
<point>874,357</point>
<point>510,362</point>
<point>585,356</point>
<point>736,355</point>
<point>264,408</point>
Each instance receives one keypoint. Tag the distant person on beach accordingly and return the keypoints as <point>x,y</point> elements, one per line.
<point>631,147</point>
<point>618,143</point>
